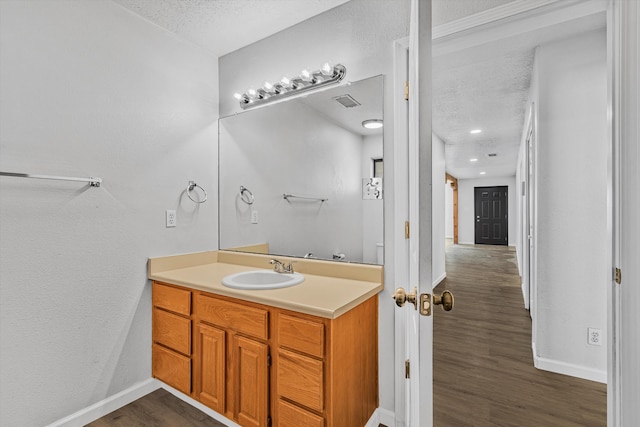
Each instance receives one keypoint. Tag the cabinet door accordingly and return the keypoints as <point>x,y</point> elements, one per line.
<point>250,382</point>
<point>211,389</point>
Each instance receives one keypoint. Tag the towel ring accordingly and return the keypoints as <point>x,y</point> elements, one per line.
<point>190,187</point>
<point>246,195</point>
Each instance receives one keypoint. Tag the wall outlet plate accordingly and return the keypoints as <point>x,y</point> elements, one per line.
<point>594,336</point>
<point>172,220</point>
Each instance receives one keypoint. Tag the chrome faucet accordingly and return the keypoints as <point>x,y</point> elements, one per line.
<point>279,267</point>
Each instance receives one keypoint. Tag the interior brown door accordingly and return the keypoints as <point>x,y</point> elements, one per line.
<point>492,220</point>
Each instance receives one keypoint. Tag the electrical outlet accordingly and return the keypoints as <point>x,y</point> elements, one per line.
<point>171,218</point>
<point>254,217</point>
<point>593,336</point>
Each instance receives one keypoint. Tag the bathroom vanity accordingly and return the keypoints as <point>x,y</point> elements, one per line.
<point>305,355</point>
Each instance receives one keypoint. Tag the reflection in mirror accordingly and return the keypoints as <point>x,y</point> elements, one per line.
<point>312,172</point>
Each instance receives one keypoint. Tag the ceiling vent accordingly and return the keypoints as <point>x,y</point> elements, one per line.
<point>347,101</point>
<point>492,154</point>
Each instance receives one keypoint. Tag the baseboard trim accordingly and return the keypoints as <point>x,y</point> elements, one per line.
<point>439,279</point>
<point>110,404</point>
<point>381,416</point>
<point>569,369</point>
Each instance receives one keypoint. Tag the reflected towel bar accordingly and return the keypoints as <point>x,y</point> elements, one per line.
<point>291,196</point>
<point>93,181</point>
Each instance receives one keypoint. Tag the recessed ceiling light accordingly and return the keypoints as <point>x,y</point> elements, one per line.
<point>372,124</point>
<point>482,173</point>
<point>473,160</point>
<point>476,131</point>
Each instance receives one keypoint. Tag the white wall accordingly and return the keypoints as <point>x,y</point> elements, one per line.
<point>571,233</point>
<point>466,206</point>
<point>87,88</point>
<point>438,210</point>
<point>448,211</point>
<point>360,37</point>
<point>310,157</point>
<point>372,210</point>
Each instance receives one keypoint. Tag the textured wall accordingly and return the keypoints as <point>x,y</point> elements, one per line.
<point>571,236</point>
<point>87,88</point>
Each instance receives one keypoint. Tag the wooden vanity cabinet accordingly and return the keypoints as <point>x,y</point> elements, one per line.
<point>324,371</point>
<point>171,353</point>
<point>232,358</point>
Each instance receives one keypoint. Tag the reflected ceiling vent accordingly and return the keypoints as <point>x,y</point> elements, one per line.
<point>347,101</point>
<point>492,154</point>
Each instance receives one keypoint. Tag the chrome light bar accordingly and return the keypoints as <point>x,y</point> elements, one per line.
<point>286,88</point>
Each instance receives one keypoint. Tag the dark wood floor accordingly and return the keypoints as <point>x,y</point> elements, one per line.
<point>483,365</point>
<point>157,409</point>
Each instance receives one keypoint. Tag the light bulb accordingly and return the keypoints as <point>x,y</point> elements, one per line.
<point>285,82</point>
<point>306,75</point>
<point>252,94</point>
<point>237,96</point>
<point>327,69</point>
<point>268,87</point>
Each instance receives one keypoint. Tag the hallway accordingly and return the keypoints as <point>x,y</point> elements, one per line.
<point>483,366</point>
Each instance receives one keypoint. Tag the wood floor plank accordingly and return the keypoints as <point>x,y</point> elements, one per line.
<point>157,409</point>
<point>483,365</point>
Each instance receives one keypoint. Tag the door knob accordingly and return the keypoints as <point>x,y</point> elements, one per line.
<point>401,296</point>
<point>445,300</point>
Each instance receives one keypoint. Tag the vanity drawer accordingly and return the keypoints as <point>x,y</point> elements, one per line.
<point>291,416</point>
<point>302,335</point>
<point>172,299</point>
<point>172,331</point>
<point>300,379</point>
<point>172,368</point>
<point>240,318</point>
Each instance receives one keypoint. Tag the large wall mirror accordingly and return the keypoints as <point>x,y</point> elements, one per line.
<point>303,177</point>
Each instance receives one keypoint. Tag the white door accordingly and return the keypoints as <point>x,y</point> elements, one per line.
<point>417,329</point>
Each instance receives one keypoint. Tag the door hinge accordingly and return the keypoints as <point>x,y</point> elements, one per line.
<point>268,359</point>
<point>407,369</point>
<point>269,421</point>
<point>618,276</point>
<point>407,230</point>
<point>406,91</point>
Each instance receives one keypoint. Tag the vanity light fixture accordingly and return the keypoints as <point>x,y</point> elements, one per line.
<point>476,131</point>
<point>285,88</point>
<point>372,124</point>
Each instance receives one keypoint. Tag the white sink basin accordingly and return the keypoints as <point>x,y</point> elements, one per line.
<point>262,279</point>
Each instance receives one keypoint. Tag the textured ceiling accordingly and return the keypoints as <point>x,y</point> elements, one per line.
<point>488,94</point>
<point>222,26</point>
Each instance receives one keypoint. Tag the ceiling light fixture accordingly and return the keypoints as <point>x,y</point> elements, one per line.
<point>285,88</point>
<point>476,131</point>
<point>372,124</point>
